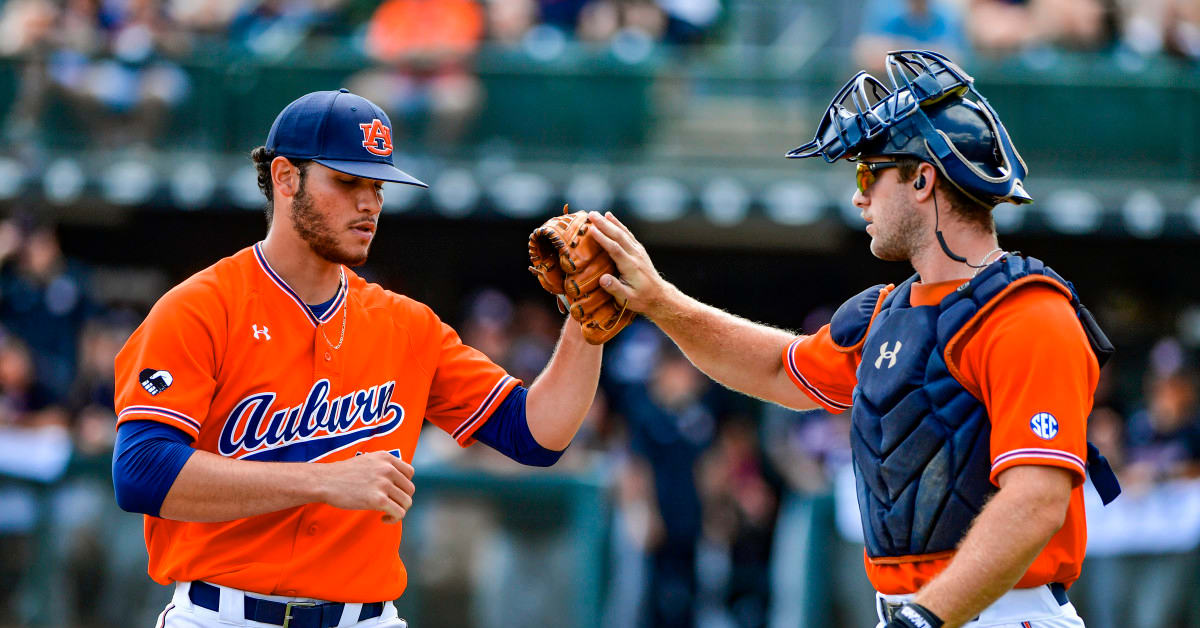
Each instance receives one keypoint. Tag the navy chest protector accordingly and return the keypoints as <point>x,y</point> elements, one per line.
<point>920,440</point>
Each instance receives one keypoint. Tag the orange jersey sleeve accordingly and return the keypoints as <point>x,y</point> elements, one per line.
<point>1038,396</point>
<point>825,372</point>
<point>167,370</point>
<point>1034,370</point>
<point>467,387</point>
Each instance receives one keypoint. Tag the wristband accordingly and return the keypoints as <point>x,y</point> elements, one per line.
<point>913,615</point>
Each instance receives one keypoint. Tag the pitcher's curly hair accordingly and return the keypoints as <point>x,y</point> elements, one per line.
<point>262,159</point>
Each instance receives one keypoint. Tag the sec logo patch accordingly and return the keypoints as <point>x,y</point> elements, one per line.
<point>1044,425</point>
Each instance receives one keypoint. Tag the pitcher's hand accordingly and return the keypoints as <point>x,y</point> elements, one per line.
<point>372,481</point>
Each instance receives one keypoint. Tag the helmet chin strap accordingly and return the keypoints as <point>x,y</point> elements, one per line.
<point>942,240</point>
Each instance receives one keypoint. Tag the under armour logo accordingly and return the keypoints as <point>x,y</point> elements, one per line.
<point>884,354</point>
<point>262,331</point>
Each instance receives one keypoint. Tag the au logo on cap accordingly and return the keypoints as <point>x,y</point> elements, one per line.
<point>377,138</point>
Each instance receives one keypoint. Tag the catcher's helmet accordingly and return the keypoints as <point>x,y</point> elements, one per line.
<point>933,112</point>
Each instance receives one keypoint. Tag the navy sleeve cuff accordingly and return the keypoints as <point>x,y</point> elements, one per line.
<point>507,431</point>
<point>147,458</point>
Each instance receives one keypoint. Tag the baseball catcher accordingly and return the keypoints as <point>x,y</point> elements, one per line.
<point>968,385</point>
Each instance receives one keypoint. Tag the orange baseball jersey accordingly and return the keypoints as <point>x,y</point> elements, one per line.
<point>233,357</point>
<point>1015,379</point>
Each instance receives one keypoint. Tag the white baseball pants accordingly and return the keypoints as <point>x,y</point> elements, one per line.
<point>1019,608</point>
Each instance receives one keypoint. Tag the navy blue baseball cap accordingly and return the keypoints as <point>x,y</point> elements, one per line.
<point>341,131</point>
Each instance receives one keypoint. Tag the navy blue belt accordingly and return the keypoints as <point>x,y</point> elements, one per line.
<point>286,614</point>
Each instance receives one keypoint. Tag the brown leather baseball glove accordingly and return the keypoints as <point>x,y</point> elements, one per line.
<point>568,261</point>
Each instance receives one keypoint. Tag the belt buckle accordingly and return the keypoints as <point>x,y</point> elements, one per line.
<point>890,608</point>
<point>287,611</point>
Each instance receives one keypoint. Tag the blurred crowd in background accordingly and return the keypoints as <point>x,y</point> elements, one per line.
<point>714,497</point>
<point>721,510</point>
<point>118,61</point>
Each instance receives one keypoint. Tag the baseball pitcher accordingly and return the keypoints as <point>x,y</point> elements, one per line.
<point>269,405</point>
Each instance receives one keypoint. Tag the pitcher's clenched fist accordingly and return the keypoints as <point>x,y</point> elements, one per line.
<point>373,481</point>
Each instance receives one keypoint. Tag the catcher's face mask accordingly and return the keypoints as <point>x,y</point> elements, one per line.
<point>931,111</point>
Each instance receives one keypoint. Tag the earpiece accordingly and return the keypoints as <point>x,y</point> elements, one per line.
<point>920,184</point>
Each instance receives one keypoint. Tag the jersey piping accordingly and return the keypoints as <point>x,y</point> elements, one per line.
<point>339,298</point>
<point>825,400</point>
<point>484,410</point>
<point>189,425</point>
<point>1038,453</point>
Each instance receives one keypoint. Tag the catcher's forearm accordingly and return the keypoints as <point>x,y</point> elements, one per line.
<point>1005,538</point>
<point>558,400</point>
<point>740,354</point>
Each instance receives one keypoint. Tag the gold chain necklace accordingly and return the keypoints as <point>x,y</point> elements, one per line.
<point>345,306</point>
<point>342,336</point>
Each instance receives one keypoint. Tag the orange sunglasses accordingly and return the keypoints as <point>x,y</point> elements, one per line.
<point>865,172</point>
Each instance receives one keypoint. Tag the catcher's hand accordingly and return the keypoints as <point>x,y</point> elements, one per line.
<point>568,261</point>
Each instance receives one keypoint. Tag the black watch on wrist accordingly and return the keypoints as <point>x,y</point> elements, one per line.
<point>913,615</point>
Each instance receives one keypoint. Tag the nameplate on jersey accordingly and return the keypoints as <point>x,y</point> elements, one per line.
<point>256,430</point>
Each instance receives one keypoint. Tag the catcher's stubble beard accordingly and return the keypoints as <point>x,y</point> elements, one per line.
<point>902,235</point>
<point>315,230</point>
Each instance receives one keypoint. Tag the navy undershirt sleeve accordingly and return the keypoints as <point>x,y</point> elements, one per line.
<point>507,431</point>
<point>146,460</point>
